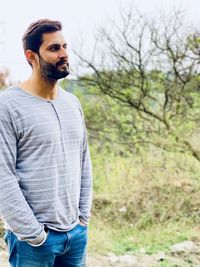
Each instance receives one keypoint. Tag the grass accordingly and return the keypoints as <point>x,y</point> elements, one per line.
<point>121,240</point>
<point>149,202</point>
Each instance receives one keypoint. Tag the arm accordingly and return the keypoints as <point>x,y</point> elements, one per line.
<point>86,181</point>
<point>14,208</point>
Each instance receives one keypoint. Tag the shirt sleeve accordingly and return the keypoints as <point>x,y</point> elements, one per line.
<point>14,208</point>
<point>86,180</point>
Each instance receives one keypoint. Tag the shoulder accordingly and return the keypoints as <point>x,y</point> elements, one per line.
<point>72,98</point>
<point>8,95</point>
<point>10,101</point>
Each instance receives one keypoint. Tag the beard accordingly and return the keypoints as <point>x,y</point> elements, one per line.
<point>51,71</point>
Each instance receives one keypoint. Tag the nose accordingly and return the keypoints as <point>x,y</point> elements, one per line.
<point>63,53</point>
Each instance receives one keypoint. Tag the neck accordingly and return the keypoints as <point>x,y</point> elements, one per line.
<point>40,87</point>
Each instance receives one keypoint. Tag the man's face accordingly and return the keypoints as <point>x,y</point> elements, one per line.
<point>53,57</point>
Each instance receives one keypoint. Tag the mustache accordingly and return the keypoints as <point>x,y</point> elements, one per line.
<point>61,62</point>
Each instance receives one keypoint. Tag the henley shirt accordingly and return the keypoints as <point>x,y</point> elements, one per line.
<point>45,167</point>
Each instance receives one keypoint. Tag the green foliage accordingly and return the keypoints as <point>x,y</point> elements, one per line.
<point>143,197</point>
<point>149,201</point>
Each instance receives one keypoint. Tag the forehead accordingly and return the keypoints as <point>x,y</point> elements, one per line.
<point>53,38</point>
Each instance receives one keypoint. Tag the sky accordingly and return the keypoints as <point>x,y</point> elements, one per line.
<point>80,19</point>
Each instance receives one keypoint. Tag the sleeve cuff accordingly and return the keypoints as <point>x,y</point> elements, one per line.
<point>84,220</point>
<point>39,240</point>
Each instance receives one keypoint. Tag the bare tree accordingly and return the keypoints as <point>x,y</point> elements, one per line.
<point>150,68</point>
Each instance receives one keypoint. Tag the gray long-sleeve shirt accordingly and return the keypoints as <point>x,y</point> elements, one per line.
<point>45,167</point>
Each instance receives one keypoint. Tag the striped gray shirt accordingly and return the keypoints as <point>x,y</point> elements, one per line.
<point>45,167</point>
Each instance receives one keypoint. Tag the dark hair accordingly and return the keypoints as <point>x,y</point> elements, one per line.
<point>33,37</point>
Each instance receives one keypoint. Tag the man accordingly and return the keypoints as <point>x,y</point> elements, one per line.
<point>46,179</point>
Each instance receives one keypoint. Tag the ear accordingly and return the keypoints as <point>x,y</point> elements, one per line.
<point>30,56</point>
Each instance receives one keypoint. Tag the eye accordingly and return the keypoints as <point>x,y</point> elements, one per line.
<point>54,48</point>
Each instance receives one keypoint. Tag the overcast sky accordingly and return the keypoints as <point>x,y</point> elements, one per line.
<point>80,20</point>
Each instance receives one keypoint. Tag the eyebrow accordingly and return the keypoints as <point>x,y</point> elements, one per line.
<point>56,45</point>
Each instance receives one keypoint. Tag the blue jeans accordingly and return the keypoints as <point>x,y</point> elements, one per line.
<point>61,249</point>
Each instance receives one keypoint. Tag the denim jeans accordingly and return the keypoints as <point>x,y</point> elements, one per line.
<point>61,249</point>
